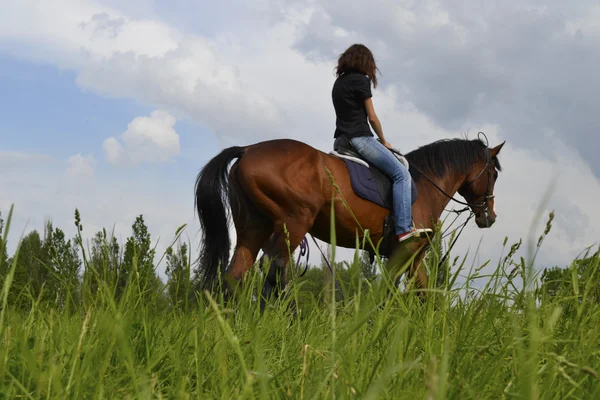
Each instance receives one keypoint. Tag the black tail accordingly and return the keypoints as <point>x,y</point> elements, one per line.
<point>212,192</point>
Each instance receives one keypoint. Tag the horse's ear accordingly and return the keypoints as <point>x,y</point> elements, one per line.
<point>497,149</point>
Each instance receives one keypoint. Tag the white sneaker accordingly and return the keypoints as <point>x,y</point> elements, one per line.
<point>415,233</point>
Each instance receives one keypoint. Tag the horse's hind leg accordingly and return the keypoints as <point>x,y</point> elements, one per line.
<point>274,262</point>
<point>277,253</point>
<point>246,250</point>
<point>253,231</point>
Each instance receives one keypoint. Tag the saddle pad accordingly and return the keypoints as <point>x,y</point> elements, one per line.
<point>364,183</point>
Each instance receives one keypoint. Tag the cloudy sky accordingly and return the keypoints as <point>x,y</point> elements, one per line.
<point>113,107</point>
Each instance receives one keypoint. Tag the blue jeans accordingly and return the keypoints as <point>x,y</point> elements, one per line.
<point>382,158</point>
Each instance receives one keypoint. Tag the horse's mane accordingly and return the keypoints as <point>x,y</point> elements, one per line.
<point>439,157</point>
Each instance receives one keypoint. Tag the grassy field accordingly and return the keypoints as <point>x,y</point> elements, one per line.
<point>477,336</point>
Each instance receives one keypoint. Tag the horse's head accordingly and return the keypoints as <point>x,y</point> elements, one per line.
<point>478,187</point>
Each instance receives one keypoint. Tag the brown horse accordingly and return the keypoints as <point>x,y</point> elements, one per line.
<point>281,190</point>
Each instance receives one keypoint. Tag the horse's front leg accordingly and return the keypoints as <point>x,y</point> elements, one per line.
<point>417,271</point>
<point>408,258</point>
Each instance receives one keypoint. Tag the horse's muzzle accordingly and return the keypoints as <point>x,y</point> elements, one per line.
<point>485,219</point>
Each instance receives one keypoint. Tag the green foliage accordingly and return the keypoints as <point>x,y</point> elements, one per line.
<point>103,266</point>
<point>178,272</point>
<point>138,260</point>
<point>571,287</point>
<point>479,335</point>
<point>30,274</point>
<point>63,263</point>
<point>46,271</point>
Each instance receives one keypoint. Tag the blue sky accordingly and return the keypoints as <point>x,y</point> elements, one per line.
<point>181,80</point>
<point>44,111</point>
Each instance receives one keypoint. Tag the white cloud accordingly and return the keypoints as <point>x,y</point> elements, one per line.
<point>192,81</point>
<point>586,24</point>
<point>76,31</point>
<point>113,151</point>
<point>147,140</point>
<point>81,166</point>
<point>117,55</point>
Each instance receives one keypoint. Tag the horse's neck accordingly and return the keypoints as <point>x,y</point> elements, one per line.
<point>449,184</point>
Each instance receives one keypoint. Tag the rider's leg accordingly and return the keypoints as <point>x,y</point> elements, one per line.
<point>382,158</point>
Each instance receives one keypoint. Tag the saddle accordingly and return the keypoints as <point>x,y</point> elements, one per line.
<point>368,182</point>
<point>342,147</point>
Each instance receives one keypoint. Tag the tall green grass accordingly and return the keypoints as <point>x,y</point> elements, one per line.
<point>480,334</point>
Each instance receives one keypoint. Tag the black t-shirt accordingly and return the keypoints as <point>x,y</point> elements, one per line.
<point>349,94</point>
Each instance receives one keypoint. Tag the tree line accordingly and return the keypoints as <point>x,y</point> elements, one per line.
<point>52,270</point>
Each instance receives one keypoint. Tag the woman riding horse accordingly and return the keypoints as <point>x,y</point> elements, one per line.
<point>281,190</point>
<point>353,103</point>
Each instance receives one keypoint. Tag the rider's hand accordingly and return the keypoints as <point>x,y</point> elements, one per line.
<point>400,158</point>
<point>388,145</point>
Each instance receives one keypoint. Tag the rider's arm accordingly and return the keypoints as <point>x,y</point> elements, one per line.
<point>373,119</point>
